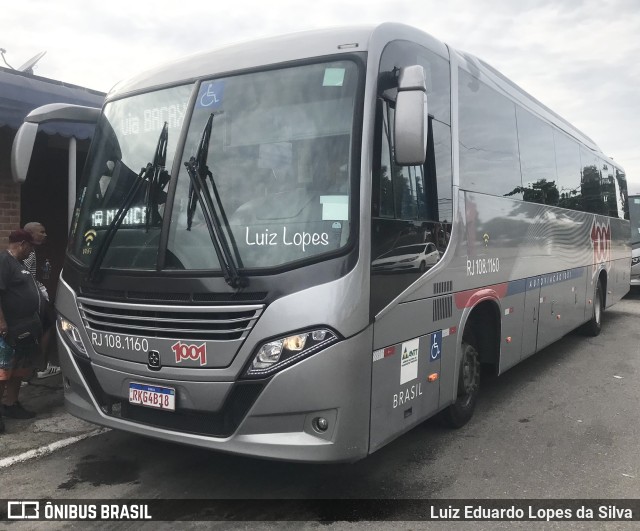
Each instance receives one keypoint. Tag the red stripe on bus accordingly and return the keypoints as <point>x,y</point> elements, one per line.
<point>466,299</point>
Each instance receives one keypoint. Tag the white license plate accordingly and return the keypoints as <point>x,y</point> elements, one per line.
<point>153,396</point>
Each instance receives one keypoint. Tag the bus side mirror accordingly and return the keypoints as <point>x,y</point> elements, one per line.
<point>411,115</point>
<point>22,148</point>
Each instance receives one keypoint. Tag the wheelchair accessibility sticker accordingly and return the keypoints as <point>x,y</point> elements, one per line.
<point>210,96</point>
<point>435,345</point>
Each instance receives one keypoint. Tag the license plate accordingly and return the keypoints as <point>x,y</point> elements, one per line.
<point>153,396</point>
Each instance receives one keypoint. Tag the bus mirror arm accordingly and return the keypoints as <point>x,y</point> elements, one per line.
<point>24,141</point>
<point>411,115</point>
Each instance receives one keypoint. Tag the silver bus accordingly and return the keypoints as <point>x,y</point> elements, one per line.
<point>301,247</point>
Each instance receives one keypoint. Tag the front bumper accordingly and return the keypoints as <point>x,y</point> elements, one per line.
<point>271,418</point>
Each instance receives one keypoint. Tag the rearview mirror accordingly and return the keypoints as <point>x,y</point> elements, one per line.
<point>411,115</point>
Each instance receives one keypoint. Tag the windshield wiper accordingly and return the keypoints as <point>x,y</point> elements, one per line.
<point>150,173</point>
<point>199,193</point>
<point>158,178</point>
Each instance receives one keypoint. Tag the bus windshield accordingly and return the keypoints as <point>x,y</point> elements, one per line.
<point>278,168</point>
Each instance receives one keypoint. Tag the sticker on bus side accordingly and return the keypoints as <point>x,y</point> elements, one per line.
<point>601,244</point>
<point>409,360</point>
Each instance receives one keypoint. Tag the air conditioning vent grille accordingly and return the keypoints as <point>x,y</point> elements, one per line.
<point>442,308</point>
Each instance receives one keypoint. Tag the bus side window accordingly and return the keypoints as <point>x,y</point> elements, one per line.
<point>593,192</point>
<point>489,158</point>
<point>568,168</point>
<point>623,194</point>
<point>537,159</point>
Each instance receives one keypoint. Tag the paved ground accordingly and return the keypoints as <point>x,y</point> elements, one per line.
<point>563,424</point>
<point>52,424</point>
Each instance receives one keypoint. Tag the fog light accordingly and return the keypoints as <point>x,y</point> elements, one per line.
<point>320,424</point>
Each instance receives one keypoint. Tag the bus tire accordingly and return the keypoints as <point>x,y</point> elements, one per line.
<point>594,325</point>
<point>461,411</point>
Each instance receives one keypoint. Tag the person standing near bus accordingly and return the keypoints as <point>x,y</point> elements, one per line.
<point>47,317</point>
<point>20,325</point>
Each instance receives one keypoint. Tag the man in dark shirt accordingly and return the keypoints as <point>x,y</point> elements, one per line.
<point>47,315</point>
<point>19,322</point>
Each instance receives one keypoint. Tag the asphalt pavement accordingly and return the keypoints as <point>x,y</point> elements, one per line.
<point>51,429</point>
<point>563,424</point>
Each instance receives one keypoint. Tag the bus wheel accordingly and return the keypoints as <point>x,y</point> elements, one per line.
<point>459,413</point>
<point>594,325</point>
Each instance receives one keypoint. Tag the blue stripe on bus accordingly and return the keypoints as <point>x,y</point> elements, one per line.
<point>522,285</point>
<point>517,286</point>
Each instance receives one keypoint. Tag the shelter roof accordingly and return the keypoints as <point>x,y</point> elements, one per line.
<point>20,93</point>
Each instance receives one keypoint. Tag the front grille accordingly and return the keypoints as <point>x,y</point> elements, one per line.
<point>204,323</point>
<point>164,296</point>
<point>221,423</point>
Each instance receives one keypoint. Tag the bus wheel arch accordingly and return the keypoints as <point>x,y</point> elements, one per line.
<point>484,324</point>
<point>479,344</point>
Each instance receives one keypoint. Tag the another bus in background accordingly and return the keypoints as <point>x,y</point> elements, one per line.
<point>634,215</point>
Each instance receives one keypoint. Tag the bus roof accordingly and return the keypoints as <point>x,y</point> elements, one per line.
<point>275,50</point>
<point>249,54</point>
<point>325,42</point>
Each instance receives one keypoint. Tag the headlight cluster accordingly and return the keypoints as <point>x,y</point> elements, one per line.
<point>285,351</point>
<point>72,334</point>
<point>635,260</point>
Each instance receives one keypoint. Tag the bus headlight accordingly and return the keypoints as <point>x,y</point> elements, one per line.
<point>72,334</point>
<point>285,351</point>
